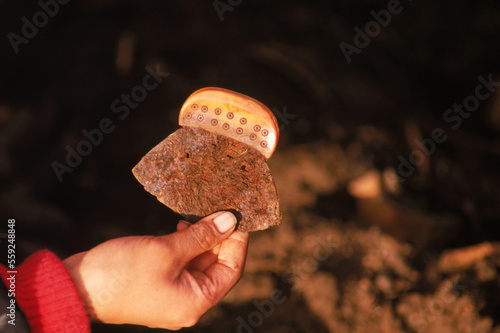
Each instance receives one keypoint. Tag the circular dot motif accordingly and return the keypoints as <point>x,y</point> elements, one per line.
<point>256,128</point>
<point>189,116</point>
<point>230,115</point>
<point>200,117</point>
<point>218,111</point>
<point>253,136</point>
<point>214,122</point>
<point>204,108</point>
<point>243,121</point>
<point>225,126</point>
<point>265,132</point>
<point>263,144</point>
<point>194,107</point>
<point>239,130</point>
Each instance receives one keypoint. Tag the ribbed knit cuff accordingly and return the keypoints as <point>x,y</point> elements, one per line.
<point>48,296</point>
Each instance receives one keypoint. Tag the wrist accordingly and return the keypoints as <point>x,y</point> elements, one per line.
<point>73,264</point>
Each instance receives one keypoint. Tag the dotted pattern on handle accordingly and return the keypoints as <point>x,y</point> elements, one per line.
<point>252,124</point>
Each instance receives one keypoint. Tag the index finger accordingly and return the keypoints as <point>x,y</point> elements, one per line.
<point>224,273</point>
<point>233,251</point>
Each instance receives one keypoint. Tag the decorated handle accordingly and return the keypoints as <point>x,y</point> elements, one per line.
<point>234,115</point>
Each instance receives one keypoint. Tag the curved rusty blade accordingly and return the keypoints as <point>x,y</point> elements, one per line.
<point>196,173</point>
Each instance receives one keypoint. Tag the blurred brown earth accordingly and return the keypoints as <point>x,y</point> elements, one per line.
<point>370,241</point>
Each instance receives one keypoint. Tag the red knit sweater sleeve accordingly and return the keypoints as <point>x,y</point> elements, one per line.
<point>47,295</point>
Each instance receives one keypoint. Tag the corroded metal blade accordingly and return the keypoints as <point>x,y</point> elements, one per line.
<point>196,172</point>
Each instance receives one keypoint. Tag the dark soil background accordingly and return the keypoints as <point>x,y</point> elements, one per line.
<point>418,254</point>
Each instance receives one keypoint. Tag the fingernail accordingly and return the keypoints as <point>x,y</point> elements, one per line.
<point>224,222</point>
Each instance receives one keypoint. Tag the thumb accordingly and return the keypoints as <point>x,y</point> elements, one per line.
<point>204,235</point>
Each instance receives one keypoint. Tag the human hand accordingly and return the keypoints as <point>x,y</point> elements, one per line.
<point>168,281</point>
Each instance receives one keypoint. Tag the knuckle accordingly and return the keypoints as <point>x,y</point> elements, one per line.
<point>234,266</point>
<point>204,236</point>
<point>208,289</point>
